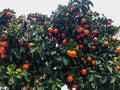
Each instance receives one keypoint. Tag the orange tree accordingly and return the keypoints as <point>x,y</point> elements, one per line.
<point>75,46</point>
<point>86,55</point>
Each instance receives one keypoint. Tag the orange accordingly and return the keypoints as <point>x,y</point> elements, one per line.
<point>64,42</point>
<point>73,54</point>
<point>80,46</point>
<point>95,39</point>
<point>67,14</point>
<point>79,30</point>
<point>71,9</point>
<point>117,50</point>
<point>95,32</point>
<point>8,14</point>
<point>93,63</point>
<point>83,20</point>
<point>77,47</point>
<point>86,32</point>
<point>82,59</point>
<point>89,59</point>
<point>115,58</point>
<point>75,86</point>
<point>68,52</point>
<point>70,78</point>
<point>50,29</point>
<point>106,43</point>
<point>30,45</point>
<point>117,68</point>
<point>4,44</point>
<point>25,66</point>
<point>63,35</point>
<point>3,56</point>
<point>55,31</point>
<point>93,47</point>
<point>20,42</point>
<point>112,38</point>
<point>2,50</point>
<point>3,35</point>
<point>84,71</point>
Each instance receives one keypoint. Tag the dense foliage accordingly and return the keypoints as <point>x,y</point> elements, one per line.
<point>74,46</point>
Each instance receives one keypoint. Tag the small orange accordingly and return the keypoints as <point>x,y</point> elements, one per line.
<point>67,14</point>
<point>89,59</point>
<point>82,59</point>
<point>115,58</point>
<point>3,35</point>
<point>77,47</point>
<point>118,50</point>
<point>94,47</point>
<point>55,31</point>
<point>113,38</point>
<point>79,30</point>
<point>84,71</point>
<point>70,78</point>
<point>68,52</point>
<point>80,46</point>
<point>86,32</point>
<point>50,29</point>
<point>106,43</point>
<point>93,63</point>
<point>73,54</point>
<point>64,42</point>
<point>71,9</point>
<point>95,32</point>
<point>2,50</point>
<point>4,44</point>
<point>3,56</point>
<point>25,66</point>
<point>95,39</point>
<point>75,86</point>
<point>117,67</point>
<point>30,45</point>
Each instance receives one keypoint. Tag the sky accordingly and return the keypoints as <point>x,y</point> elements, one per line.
<point>109,8</point>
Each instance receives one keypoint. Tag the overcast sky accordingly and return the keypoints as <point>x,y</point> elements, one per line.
<point>109,8</point>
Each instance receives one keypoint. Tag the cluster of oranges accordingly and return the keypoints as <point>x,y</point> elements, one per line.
<point>3,45</point>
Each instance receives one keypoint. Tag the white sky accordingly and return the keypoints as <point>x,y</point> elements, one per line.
<point>109,8</point>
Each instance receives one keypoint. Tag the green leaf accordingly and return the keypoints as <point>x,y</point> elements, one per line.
<point>53,52</point>
<point>110,69</point>
<point>113,79</point>
<point>104,79</point>
<point>91,78</point>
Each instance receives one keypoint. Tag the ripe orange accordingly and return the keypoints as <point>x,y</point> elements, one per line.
<point>4,44</point>
<point>30,45</point>
<point>70,78</point>
<point>115,58</point>
<point>82,59</point>
<point>79,30</point>
<point>95,32</point>
<point>55,31</point>
<point>71,9</point>
<point>93,63</point>
<point>25,66</point>
<point>86,32</point>
<point>117,67</point>
<point>3,35</point>
<point>89,59</point>
<point>77,47</point>
<point>113,38</point>
<point>75,86</point>
<point>80,46</point>
<point>83,20</point>
<point>94,47</point>
<point>72,54</point>
<point>3,56</point>
<point>67,14</point>
<point>2,50</point>
<point>95,39</point>
<point>64,42</point>
<point>50,29</point>
<point>84,71</point>
<point>8,14</point>
<point>20,42</point>
<point>68,52</point>
<point>117,50</point>
<point>106,43</point>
